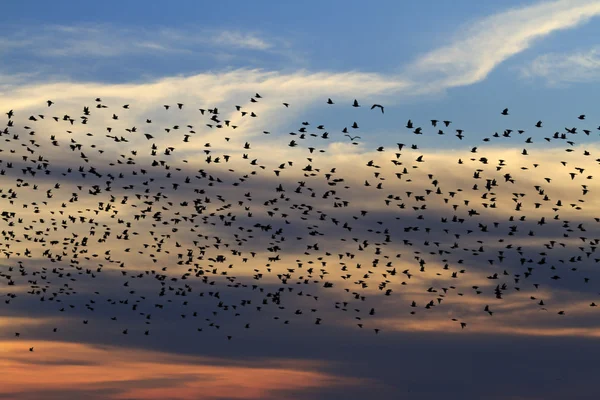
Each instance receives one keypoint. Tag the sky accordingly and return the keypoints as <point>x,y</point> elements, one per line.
<point>461,61</point>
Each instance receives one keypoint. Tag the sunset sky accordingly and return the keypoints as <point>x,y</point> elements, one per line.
<point>462,61</point>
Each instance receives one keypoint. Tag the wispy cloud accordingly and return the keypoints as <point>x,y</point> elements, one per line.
<point>482,45</point>
<point>105,40</point>
<point>135,376</point>
<point>561,68</point>
<point>236,39</point>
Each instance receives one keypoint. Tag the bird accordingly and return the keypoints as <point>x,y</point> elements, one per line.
<point>377,105</point>
<point>229,227</point>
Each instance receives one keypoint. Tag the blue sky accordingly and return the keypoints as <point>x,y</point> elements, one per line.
<point>386,39</point>
<point>462,60</point>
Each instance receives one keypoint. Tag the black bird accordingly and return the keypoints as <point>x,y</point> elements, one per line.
<point>377,105</point>
<point>135,217</point>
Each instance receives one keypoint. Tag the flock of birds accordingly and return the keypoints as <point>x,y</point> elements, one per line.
<point>167,216</point>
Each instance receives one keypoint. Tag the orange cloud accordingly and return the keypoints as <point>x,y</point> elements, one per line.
<point>56,366</point>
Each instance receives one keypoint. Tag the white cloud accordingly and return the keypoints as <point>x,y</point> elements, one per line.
<point>556,68</point>
<point>484,44</point>
<point>237,39</point>
<point>104,40</point>
<point>215,89</point>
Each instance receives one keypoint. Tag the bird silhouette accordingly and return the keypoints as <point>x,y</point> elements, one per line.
<point>222,226</point>
<point>377,105</point>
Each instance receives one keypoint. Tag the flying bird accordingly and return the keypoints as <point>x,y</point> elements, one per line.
<point>377,105</point>
<point>228,227</point>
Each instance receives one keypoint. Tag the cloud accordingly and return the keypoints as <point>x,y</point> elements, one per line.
<point>106,41</point>
<point>237,39</point>
<point>564,68</point>
<point>301,89</point>
<point>141,374</point>
<point>482,45</point>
